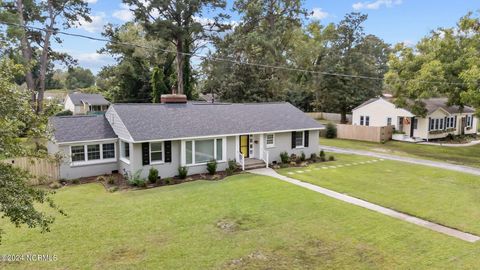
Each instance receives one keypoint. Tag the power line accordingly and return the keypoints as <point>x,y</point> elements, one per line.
<point>219,59</point>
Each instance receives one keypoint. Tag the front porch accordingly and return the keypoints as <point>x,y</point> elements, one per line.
<point>405,129</point>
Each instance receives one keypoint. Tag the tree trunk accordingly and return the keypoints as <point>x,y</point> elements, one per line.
<point>26,54</point>
<point>179,66</point>
<point>343,117</point>
<point>43,69</point>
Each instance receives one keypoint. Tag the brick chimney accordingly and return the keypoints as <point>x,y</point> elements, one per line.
<point>173,98</point>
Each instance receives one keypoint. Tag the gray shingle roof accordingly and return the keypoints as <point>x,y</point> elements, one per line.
<point>92,99</point>
<point>432,104</point>
<point>170,121</point>
<point>80,128</point>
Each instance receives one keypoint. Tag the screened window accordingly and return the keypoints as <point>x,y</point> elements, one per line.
<point>432,124</point>
<point>415,123</point>
<point>270,140</point>
<point>441,123</point>
<point>108,150</point>
<point>219,149</point>
<point>204,151</point>
<point>189,151</point>
<point>78,153</point>
<point>437,123</point>
<point>93,152</point>
<point>299,139</point>
<point>156,152</point>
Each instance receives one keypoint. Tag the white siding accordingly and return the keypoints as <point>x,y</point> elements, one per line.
<point>379,111</point>
<point>117,124</point>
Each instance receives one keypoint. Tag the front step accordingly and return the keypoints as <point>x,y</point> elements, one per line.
<point>251,164</point>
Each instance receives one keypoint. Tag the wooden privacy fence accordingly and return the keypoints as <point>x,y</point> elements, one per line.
<point>364,133</point>
<point>44,171</point>
<point>334,117</point>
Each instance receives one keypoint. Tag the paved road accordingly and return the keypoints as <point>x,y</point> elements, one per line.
<point>374,207</point>
<point>437,164</point>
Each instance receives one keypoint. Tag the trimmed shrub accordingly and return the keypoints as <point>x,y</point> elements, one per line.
<point>331,158</point>
<point>232,167</point>
<point>141,183</point>
<point>212,167</point>
<point>322,156</point>
<point>152,175</point>
<point>182,172</point>
<point>331,131</point>
<point>111,180</point>
<point>302,156</point>
<point>284,157</point>
<point>135,179</point>
<point>313,157</point>
<point>64,113</point>
<point>55,185</point>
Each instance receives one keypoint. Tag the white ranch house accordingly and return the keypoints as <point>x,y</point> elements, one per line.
<point>80,103</point>
<point>136,137</point>
<point>440,120</point>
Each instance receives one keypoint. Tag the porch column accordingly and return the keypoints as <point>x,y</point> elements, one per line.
<point>261,146</point>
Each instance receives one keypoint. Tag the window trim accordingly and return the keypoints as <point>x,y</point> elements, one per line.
<point>303,139</point>
<point>85,161</point>
<point>273,140</point>
<point>150,153</point>
<point>184,151</point>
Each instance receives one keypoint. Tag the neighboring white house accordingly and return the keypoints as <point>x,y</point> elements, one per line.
<point>136,137</point>
<point>80,103</point>
<point>440,120</point>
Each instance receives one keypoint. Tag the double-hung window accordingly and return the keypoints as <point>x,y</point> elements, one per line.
<point>361,120</point>
<point>389,121</point>
<point>270,140</point>
<point>125,150</point>
<point>203,151</point>
<point>156,152</point>
<point>102,152</point>
<point>469,120</point>
<point>367,120</point>
<point>108,150</point>
<point>299,139</point>
<point>78,153</point>
<point>93,152</point>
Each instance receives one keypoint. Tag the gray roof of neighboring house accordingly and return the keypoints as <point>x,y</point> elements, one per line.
<point>91,99</point>
<point>80,128</point>
<point>431,104</point>
<point>169,121</point>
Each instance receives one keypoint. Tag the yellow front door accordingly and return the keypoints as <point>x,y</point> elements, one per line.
<point>244,145</point>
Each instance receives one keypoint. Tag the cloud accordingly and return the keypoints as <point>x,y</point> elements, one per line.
<point>319,14</point>
<point>123,14</point>
<point>376,4</point>
<point>96,25</point>
<point>91,1</point>
<point>93,60</point>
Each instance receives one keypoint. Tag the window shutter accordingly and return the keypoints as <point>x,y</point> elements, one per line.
<point>168,151</point>
<point>429,124</point>
<point>305,139</point>
<point>455,123</point>
<point>293,140</point>
<point>145,153</point>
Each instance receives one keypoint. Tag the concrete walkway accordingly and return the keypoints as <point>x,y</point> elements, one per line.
<point>453,144</point>
<point>377,208</point>
<point>425,162</point>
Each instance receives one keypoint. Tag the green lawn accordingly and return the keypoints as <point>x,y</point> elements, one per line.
<point>275,225</point>
<point>446,197</point>
<point>469,156</point>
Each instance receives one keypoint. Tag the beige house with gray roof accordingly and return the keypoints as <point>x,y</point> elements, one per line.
<point>440,120</point>
<point>80,103</point>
